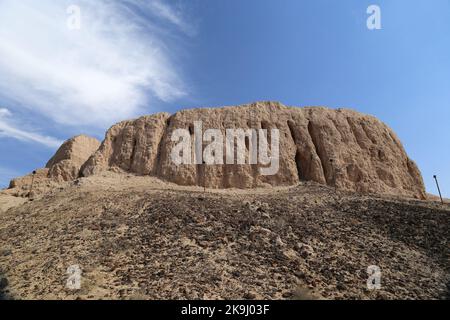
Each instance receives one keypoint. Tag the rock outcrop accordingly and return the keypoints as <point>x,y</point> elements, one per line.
<point>63,166</point>
<point>66,163</point>
<point>130,146</point>
<point>340,148</point>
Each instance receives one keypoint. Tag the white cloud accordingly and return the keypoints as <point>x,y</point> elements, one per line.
<point>4,113</point>
<point>9,128</point>
<point>111,69</point>
<point>167,12</point>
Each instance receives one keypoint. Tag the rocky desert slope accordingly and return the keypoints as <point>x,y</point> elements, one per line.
<point>346,197</point>
<point>141,238</point>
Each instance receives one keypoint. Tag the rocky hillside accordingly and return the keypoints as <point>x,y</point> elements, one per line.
<point>140,238</point>
<point>340,148</point>
<point>139,226</point>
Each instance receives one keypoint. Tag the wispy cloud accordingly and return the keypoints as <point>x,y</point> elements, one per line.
<point>165,11</point>
<point>113,68</point>
<point>12,129</point>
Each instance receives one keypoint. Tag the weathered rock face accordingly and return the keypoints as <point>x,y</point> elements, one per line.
<point>66,163</point>
<point>63,166</point>
<point>341,148</point>
<point>130,146</point>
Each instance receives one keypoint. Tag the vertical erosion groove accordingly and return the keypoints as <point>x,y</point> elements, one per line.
<point>367,132</point>
<point>265,126</point>
<point>298,160</point>
<point>156,170</point>
<point>133,151</point>
<point>413,173</point>
<point>319,151</point>
<point>355,134</point>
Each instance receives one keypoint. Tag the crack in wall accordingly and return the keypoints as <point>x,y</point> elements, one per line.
<point>320,153</point>
<point>354,132</point>
<point>133,153</point>
<point>298,156</point>
<point>158,162</point>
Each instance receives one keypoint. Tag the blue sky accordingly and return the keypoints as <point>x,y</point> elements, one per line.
<point>134,57</point>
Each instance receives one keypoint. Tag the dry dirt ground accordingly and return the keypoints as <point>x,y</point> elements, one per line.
<point>140,238</point>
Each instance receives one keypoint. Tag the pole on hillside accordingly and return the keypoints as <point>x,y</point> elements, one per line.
<point>439,189</point>
<point>31,186</point>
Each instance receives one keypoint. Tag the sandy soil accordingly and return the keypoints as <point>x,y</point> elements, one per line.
<point>7,202</point>
<point>141,238</point>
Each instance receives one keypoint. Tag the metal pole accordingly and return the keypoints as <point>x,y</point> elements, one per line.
<point>439,189</point>
<point>31,187</point>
